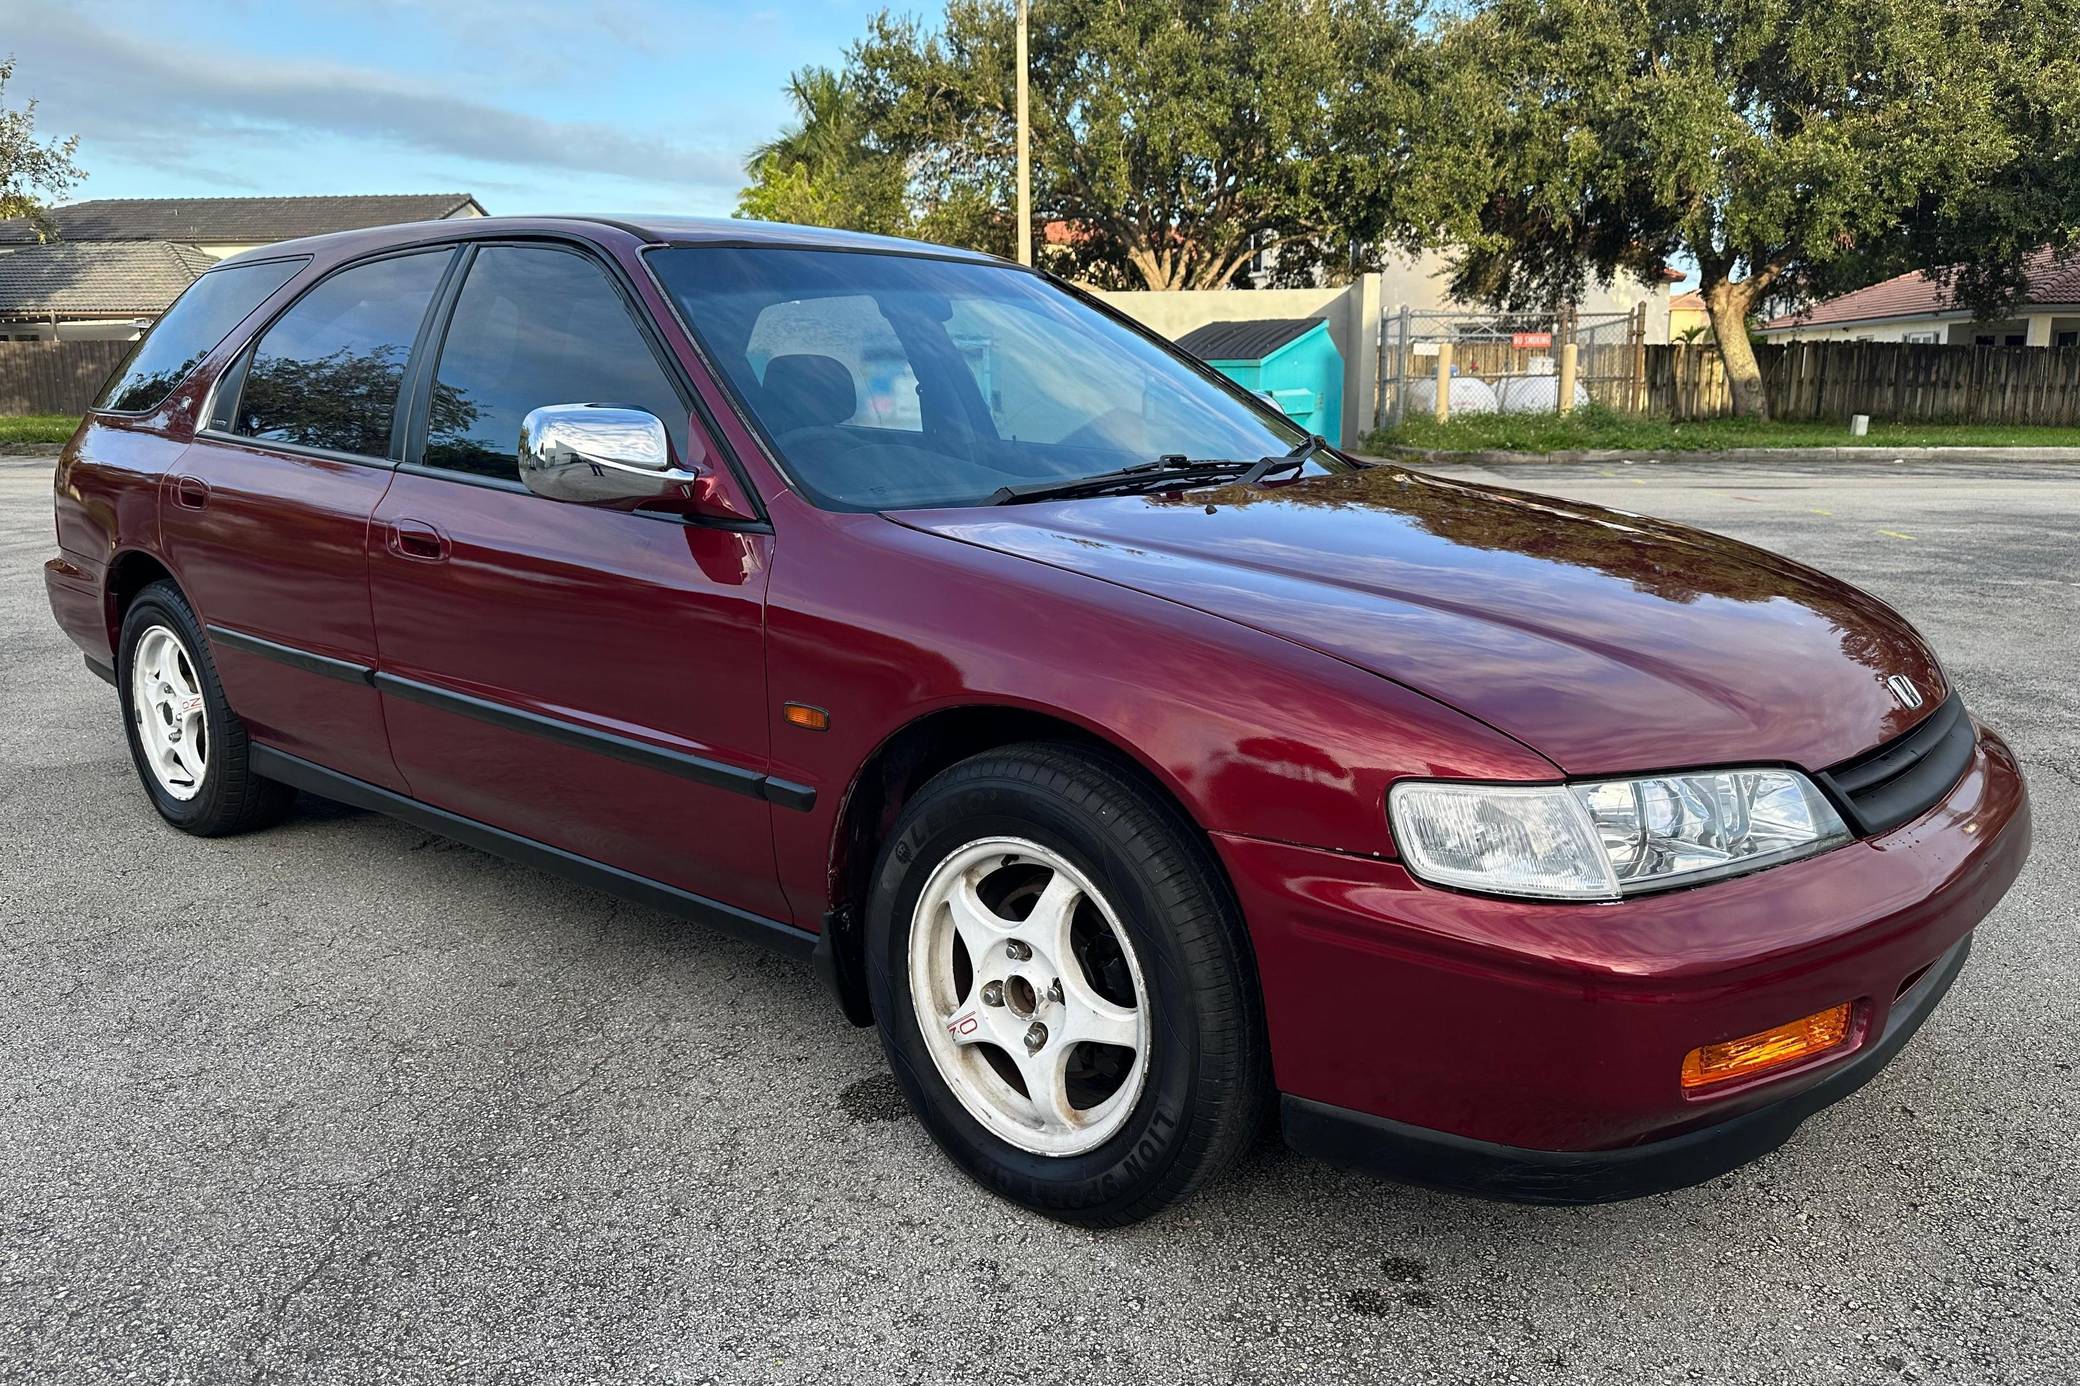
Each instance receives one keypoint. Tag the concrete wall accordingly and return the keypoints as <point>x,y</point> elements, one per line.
<point>1421,282</point>
<point>1352,310</point>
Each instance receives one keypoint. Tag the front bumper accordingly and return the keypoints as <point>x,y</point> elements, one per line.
<point>1488,1170</point>
<point>1533,1049</point>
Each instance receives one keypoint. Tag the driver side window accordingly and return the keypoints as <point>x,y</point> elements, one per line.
<point>537,325</point>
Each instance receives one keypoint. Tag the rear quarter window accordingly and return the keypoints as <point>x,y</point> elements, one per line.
<point>327,372</point>
<point>188,331</point>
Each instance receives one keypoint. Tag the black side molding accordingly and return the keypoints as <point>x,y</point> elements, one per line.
<point>1441,1160</point>
<point>324,666</point>
<point>105,672</point>
<point>699,769</point>
<point>345,789</point>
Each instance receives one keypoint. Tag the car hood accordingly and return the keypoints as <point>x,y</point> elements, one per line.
<point>1606,641</point>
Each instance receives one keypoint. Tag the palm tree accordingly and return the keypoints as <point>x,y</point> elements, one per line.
<point>825,134</point>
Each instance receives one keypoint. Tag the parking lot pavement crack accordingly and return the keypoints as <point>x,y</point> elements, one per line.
<point>327,1255</point>
<point>2058,768</point>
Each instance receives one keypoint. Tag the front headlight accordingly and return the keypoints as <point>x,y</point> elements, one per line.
<point>1603,839</point>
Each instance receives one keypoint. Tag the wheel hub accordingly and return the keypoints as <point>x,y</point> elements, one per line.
<point>166,705</point>
<point>1044,1047</point>
<point>1019,995</point>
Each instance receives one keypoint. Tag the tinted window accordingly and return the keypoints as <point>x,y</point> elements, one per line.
<point>326,375</point>
<point>890,381</point>
<point>534,327</point>
<point>190,330</point>
<point>852,332</point>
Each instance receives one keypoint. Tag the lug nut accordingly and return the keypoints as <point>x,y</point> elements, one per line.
<point>1054,993</point>
<point>1036,1035</point>
<point>1019,952</point>
<point>993,994</point>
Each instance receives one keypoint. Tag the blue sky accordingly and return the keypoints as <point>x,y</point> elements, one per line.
<point>532,105</point>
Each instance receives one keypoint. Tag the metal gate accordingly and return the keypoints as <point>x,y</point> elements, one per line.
<point>1507,362</point>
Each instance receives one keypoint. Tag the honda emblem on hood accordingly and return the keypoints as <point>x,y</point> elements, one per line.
<point>1903,689</point>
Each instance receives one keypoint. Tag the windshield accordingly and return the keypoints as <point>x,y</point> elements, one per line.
<point>898,381</point>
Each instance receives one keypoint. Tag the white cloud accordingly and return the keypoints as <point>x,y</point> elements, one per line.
<point>166,104</point>
<point>529,24</point>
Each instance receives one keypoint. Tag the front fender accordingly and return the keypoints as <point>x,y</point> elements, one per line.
<point>882,625</point>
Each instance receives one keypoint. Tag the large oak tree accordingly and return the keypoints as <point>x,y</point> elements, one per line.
<point>1783,145</point>
<point>1170,140</point>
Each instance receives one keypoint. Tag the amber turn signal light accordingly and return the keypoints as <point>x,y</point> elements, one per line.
<point>1765,1050</point>
<point>806,717</point>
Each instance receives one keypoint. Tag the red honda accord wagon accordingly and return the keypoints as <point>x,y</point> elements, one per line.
<point>1142,767</point>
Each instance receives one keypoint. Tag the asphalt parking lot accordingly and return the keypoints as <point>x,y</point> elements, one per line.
<point>346,1102</point>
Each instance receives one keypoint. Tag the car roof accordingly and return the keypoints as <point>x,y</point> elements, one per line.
<point>649,228</point>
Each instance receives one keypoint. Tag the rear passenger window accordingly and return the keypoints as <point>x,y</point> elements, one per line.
<point>326,375</point>
<point>535,326</point>
<point>189,331</point>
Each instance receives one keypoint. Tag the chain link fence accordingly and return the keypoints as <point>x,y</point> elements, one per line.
<point>1506,362</point>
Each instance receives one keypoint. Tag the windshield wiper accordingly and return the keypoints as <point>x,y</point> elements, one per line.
<point>1141,476</point>
<point>1294,460</point>
<point>1172,467</point>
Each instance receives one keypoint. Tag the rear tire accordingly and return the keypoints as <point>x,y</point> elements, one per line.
<point>190,749</point>
<point>1109,974</point>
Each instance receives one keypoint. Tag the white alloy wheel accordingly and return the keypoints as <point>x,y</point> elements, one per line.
<point>1029,996</point>
<point>166,702</point>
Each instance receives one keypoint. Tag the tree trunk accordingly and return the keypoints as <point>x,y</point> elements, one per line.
<point>1157,272</point>
<point>1218,271</point>
<point>1727,304</point>
<point>1179,263</point>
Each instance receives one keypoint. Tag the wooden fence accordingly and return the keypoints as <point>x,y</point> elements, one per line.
<point>55,377</point>
<point>1905,382</point>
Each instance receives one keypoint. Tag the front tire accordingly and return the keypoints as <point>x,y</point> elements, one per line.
<point>1064,988</point>
<point>190,749</point>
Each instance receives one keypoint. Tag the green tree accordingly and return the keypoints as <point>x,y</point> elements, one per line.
<point>1171,140</point>
<point>824,169</point>
<point>29,166</point>
<point>1784,145</point>
<point>827,126</point>
<point>344,400</point>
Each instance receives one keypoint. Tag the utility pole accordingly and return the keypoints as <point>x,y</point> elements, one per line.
<point>1025,150</point>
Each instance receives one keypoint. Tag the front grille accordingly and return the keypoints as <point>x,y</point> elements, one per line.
<point>1907,776</point>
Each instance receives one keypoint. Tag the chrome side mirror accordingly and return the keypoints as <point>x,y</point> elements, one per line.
<point>597,454</point>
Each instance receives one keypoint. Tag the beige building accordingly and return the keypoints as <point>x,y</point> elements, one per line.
<point>1686,315</point>
<point>1916,307</point>
<point>115,264</point>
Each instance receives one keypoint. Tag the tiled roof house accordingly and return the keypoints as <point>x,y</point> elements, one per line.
<point>1917,307</point>
<point>116,263</point>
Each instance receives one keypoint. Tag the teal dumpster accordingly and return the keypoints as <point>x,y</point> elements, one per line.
<point>1293,362</point>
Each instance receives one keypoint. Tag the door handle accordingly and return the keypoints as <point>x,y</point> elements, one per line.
<point>417,539</point>
<point>190,492</point>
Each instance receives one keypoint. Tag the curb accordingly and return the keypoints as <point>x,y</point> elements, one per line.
<point>1817,454</point>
